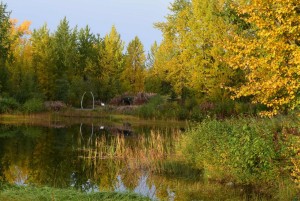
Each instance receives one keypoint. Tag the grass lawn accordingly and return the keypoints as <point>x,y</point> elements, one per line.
<point>52,194</point>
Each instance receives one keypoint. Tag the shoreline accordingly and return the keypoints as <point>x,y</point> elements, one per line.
<point>72,116</point>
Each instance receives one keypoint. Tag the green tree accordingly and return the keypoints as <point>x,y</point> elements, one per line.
<point>152,82</point>
<point>65,58</point>
<point>133,75</point>
<point>82,78</point>
<point>111,60</point>
<point>151,56</point>
<point>43,61</point>
<point>87,51</point>
<point>5,44</point>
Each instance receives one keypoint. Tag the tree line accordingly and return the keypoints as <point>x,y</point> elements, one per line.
<point>212,51</point>
<point>63,64</point>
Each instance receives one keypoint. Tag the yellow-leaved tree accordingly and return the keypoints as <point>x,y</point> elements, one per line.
<point>204,42</point>
<point>19,67</point>
<point>171,64</point>
<point>268,52</point>
<point>189,56</point>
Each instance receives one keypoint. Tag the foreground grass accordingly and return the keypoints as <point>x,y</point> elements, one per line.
<point>52,194</point>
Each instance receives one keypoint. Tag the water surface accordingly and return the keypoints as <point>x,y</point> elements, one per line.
<point>104,157</point>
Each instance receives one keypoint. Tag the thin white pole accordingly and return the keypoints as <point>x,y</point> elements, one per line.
<point>93,101</point>
<point>82,100</point>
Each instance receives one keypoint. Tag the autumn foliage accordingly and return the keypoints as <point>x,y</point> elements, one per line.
<point>213,51</point>
<point>268,52</point>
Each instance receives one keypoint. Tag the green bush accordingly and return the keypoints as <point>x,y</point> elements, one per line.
<point>8,105</point>
<point>33,105</point>
<point>246,151</point>
<point>159,108</point>
<point>195,110</point>
<point>151,109</point>
<point>183,113</point>
<point>224,109</point>
<point>170,110</point>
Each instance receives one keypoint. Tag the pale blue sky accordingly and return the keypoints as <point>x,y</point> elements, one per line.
<point>131,17</point>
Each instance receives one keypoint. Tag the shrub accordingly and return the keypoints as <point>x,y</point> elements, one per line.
<point>33,105</point>
<point>8,105</point>
<point>224,109</point>
<point>197,115</point>
<point>55,105</point>
<point>170,110</point>
<point>142,98</point>
<point>151,109</point>
<point>247,151</point>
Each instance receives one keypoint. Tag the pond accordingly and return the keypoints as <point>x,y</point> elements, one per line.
<point>105,157</point>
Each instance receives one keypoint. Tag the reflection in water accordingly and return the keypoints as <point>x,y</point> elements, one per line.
<point>17,175</point>
<point>119,186</point>
<point>144,189</point>
<point>97,158</point>
<point>120,162</point>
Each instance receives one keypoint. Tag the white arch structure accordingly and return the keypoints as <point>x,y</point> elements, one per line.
<point>83,97</point>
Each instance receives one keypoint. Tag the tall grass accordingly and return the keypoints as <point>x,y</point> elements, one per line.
<point>155,153</point>
<point>8,105</point>
<point>143,152</point>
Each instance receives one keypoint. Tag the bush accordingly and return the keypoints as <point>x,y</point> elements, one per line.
<point>170,110</point>
<point>224,109</point>
<point>159,108</point>
<point>247,151</point>
<point>151,109</point>
<point>8,105</point>
<point>197,115</point>
<point>33,105</point>
<point>55,105</point>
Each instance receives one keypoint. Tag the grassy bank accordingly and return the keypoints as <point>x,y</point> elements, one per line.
<point>157,107</point>
<point>43,119</point>
<point>75,116</point>
<point>50,194</point>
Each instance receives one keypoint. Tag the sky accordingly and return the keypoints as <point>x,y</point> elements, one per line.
<point>131,17</point>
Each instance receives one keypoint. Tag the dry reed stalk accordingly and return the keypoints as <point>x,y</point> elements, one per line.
<point>146,152</point>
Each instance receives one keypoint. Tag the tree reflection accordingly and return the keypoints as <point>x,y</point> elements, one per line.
<point>90,158</point>
<point>125,163</point>
<point>36,155</point>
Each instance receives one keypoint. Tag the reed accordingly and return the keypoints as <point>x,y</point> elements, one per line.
<point>138,152</point>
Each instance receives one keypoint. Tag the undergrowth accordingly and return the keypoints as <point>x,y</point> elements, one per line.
<point>246,151</point>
